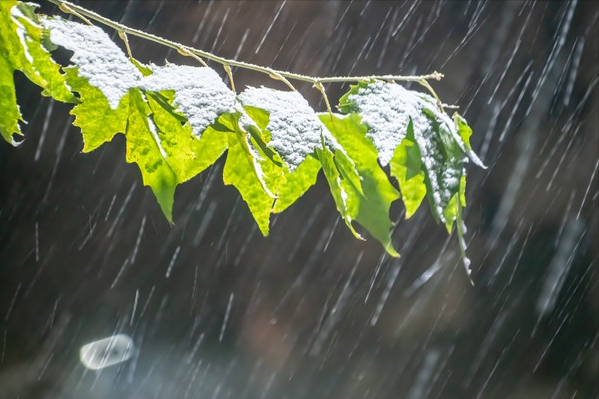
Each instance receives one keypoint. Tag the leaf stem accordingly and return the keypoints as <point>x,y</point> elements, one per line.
<point>230,75</point>
<point>320,88</point>
<point>124,38</point>
<point>84,14</point>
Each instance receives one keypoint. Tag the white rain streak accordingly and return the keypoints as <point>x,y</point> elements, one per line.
<point>134,307</point>
<point>138,240</point>
<point>560,264</point>
<point>206,218</point>
<point>586,193</point>
<point>119,214</point>
<point>200,94</point>
<point>226,318</point>
<point>12,303</point>
<point>220,29</point>
<point>296,130</point>
<point>574,71</point>
<point>99,59</point>
<point>171,264</point>
<point>270,26</point>
<point>391,278</point>
<point>423,378</point>
<point>335,313</point>
<point>37,242</point>
<point>44,132</point>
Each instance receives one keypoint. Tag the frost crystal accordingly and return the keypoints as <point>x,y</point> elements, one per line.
<point>296,131</point>
<point>200,94</point>
<point>99,60</point>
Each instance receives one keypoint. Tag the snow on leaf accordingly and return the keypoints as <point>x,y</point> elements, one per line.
<point>388,110</point>
<point>290,185</point>
<point>295,130</point>
<point>185,154</point>
<point>200,94</point>
<point>99,59</point>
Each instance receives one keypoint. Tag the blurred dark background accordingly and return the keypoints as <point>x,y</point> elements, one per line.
<point>309,312</point>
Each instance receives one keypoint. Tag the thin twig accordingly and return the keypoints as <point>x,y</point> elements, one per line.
<point>84,14</point>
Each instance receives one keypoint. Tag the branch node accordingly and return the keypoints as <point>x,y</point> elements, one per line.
<point>188,53</point>
<point>62,6</point>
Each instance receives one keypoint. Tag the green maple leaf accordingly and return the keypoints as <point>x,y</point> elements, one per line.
<point>165,151</point>
<point>23,49</point>
<point>290,185</point>
<point>186,155</point>
<point>297,183</point>
<point>368,203</point>
<point>406,167</point>
<point>98,122</point>
<point>144,149</point>
<point>244,171</point>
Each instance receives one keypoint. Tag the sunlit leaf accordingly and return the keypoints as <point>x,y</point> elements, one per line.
<point>144,149</point>
<point>369,204</point>
<point>406,167</point>
<point>97,120</point>
<point>21,41</point>
<point>240,171</point>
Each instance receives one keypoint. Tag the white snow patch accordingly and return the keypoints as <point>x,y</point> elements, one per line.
<point>200,94</point>
<point>99,59</point>
<point>386,109</point>
<point>296,131</point>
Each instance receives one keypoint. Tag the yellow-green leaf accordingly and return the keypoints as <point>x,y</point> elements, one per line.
<point>406,167</point>
<point>240,171</point>
<point>22,49</point>
<point>368,203</point>
<point>144,149</point>
<point>97,120</point>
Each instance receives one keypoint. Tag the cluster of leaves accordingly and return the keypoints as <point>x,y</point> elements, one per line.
<point>178,120</point>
